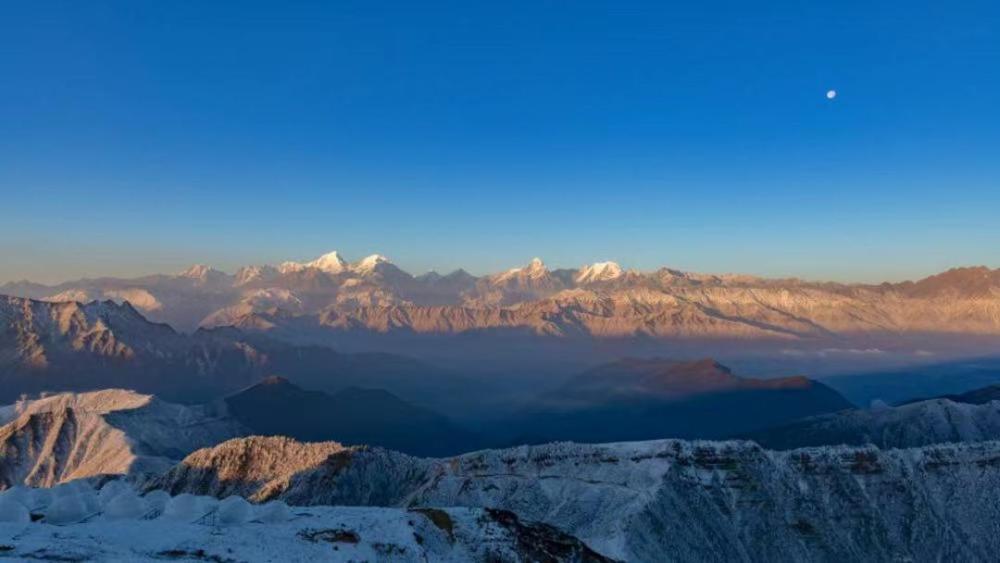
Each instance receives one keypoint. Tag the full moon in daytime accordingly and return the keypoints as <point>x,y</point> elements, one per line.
<point>831,94</point>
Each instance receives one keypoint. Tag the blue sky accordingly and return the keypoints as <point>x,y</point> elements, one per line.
<point>138,137</point>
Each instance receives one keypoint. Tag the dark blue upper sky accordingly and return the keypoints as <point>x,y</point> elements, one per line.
<point>141,136</point>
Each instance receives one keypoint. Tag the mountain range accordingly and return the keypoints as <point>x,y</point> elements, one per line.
<point>254,430</point>
<point>381,398</point>
<point>46,346</point>
<point>602,300</point>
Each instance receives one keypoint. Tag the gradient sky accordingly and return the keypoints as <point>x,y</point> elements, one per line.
<point>143,136</point>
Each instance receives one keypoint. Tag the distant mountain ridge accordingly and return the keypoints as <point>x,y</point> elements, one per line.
<point>69,346</point>
<point>78,347</point>
<point>276,407</point>
<point>979,396</point>
<point>663,379</point>
<point>973,416</point>
<point>601,300</point>
<point>646,399</point>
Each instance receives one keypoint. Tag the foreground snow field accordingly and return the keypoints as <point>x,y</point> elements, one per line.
<point>78,523</point>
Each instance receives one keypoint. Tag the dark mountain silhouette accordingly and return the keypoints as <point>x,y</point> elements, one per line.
<point>646,399</point>
<point>276,407</point>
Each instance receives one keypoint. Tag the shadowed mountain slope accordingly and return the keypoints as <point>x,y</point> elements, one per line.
<point>350,416</point>
<point>649,399</point>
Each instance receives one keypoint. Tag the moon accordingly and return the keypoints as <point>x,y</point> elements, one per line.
<point>831,94</point>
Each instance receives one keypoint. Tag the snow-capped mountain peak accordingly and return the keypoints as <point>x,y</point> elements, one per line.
<point>599,271</point>
<point>197,271</point>
<point>370,263</point>
<point>331,263</point>
<point>534,270</point>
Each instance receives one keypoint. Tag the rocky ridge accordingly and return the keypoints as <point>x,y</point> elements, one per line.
<point>646,501</point>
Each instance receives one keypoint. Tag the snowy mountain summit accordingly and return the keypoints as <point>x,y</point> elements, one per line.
<point>599,271</point>
<point>370,263</point>
<point>331,263</point>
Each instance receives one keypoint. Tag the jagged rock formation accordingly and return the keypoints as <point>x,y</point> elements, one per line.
<point>695,501</point>
<point>113,432</point>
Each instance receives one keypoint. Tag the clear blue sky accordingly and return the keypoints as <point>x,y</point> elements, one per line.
<point>142,136</point>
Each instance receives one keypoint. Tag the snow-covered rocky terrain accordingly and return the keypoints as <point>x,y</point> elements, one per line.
<point>72,436</point>
<point>637,501</point>
<point>119,490</point>
<point>79,523</point>
<point>269,468</point>
<point>920,423</point>
<point>674,500</point>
